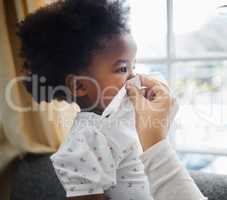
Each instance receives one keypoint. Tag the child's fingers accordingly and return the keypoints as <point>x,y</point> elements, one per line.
<point>148,82</point>
<point>149,94</point>
<point>151,82</point>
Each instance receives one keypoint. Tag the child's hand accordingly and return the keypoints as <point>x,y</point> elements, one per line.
<point>154,107</point>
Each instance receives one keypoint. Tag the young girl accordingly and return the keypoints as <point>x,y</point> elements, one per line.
<point>86,53</point>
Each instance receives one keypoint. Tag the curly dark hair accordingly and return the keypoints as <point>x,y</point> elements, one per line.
<point>61,38</point>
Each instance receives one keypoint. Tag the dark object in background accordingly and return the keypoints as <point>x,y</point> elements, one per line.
<point>211,185</point>
<point>35,179</point>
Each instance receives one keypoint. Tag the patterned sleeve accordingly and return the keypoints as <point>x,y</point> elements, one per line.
<point>131,178</point>
<point>86,164</point>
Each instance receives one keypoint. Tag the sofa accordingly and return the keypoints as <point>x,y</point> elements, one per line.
<point>34,179</point>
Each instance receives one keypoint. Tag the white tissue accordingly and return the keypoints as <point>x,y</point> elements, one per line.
<point>121,108</point>
<point>114,105</point>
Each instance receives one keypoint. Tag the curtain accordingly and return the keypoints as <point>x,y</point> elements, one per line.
<point>43,127</point>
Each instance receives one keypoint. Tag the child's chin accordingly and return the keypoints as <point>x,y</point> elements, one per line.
<point>102,105</point>
<point>105,104</point>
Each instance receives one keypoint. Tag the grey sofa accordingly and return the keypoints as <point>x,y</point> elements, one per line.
<point>35,179</point>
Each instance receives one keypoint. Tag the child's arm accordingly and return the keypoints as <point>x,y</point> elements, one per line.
<point>167,176</point>
<point>90,197</point>
<point>85,164</point>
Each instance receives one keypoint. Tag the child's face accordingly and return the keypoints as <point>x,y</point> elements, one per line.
<point>110,68</point>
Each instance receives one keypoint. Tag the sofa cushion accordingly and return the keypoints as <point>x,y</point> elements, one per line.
<point>35,179</point>
<point>211,185</point>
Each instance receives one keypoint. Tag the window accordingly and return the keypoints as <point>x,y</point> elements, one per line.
<point>150,34</point>
<point>187,42</point>
<point>198,30</point>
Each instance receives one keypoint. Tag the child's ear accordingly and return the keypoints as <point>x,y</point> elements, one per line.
<point>76,85</point>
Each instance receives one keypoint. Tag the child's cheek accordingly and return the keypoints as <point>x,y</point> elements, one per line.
<point>110,90</point>
<point>107,95</point>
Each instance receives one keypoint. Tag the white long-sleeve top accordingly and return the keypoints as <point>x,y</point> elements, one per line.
<point>101,155</point>
<point>98,158</point>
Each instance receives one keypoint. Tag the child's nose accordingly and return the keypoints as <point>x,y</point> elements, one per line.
<point>131,75</point>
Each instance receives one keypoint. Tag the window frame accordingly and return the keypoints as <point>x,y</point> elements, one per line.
<point>169,61</point>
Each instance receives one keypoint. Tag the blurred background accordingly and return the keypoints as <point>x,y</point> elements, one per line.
<point>184,40</point>
<point>187,42</point>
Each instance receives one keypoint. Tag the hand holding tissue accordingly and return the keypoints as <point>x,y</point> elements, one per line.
<point>155,110</point>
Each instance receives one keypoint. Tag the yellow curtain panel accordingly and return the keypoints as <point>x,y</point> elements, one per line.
<point>39,129</point>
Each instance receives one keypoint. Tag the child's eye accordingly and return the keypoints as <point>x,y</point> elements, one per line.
<point>122,70</point>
